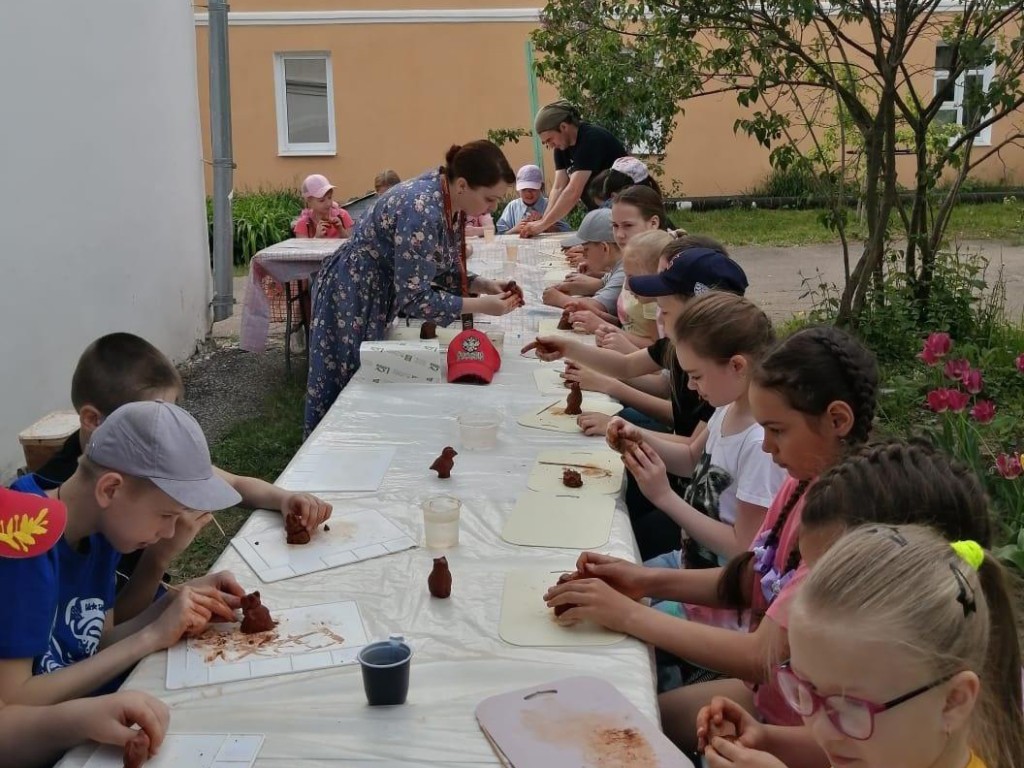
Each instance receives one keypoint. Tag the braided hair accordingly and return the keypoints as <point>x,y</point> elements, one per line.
<point>810,370</point>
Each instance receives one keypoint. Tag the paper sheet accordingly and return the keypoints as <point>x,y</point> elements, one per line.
<point>311,637</point>
<point>560,520</point>
<point>195,750</point>
<point>554,418</point>
<point>601,472</point>
<point>354,535</point>
<point>328,469</point>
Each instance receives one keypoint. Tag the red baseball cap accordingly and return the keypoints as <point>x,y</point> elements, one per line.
<point>29,525</point>
<point>472,358</point>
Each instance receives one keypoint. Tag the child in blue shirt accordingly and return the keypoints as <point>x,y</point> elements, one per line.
<point>144,468</point>
<point>529,206</point>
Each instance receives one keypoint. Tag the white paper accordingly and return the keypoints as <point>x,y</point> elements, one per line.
<point>195,750</point>
<point>601,471</point>
<point>554,418</point>
<point>354,535</point>
<point>560,520</point>
<point>329,469</point>
<point>310,637</point>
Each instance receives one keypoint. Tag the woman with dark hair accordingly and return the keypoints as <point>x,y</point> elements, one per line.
<point>625,172</point>
<point>407,254</point>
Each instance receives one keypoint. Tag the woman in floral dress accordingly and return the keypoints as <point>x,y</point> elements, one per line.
<point>404,256</point>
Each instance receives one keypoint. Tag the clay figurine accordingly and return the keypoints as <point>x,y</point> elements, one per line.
<point>563,322</point>
<point>440,580</point>
<point>574,401</point>
<point>428,330</point>
<point>255,616</point>
<point>443,464</point>
<point>295,531</point>
<point>564,579</point>
<point>622,444</point>
<point>571,478</point>
<point>512,287</point>
<point>136,750</point>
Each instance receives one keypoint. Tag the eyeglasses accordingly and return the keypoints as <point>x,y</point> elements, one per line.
<point>851,716</point>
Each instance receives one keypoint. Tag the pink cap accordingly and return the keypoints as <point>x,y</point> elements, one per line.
<point>316,186</point>
<point>632,167</point>
<point>529,177</point>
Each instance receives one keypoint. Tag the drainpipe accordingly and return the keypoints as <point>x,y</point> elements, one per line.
<point>220,135</point>
<point>531,79</point>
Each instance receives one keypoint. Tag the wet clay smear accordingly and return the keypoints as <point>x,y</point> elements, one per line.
<point>226,643</point>
<point>603,740</point>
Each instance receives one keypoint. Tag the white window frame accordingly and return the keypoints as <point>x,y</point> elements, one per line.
<point>284,146</point>
<point>984,137</point>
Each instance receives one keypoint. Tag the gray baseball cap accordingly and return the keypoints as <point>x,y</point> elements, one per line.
<point>165,445</point>
<point>595,228</point>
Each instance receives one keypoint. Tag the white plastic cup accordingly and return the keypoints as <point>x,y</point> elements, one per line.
<point>441,521</point>
<point>511,252</point>
<point>488,233</point>
<point>478,430</point>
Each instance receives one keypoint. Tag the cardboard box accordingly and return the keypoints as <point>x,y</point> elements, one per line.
<point>401,362</point>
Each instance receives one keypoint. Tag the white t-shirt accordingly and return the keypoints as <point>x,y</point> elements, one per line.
<point>733,468</point>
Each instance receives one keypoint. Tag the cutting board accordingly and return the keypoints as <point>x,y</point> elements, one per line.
<point>575,722</point>
<point>560,520</point>
<point>601,471</point>
<point>554,418</point>
<point>195,750</point>
<point>550,382</point>
<point>526,621</point>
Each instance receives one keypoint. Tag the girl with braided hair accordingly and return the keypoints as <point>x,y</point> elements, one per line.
<point>814,394</point>
<point>887,488</point>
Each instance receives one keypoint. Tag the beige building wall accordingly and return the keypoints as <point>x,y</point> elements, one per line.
<point>403,92</point>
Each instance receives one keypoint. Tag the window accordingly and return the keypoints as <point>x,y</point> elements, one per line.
<point>972,81</point>
<point>305,104</point>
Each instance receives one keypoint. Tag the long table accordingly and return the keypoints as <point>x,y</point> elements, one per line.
<point>321,718</point>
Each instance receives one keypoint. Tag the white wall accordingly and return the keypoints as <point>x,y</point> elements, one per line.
<point>102,212</point>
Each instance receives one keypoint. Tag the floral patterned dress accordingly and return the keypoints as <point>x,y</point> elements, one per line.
<point>399,249</point>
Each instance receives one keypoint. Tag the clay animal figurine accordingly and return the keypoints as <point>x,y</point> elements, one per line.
<point>255,616</point>
<point>440,580</point>
<point>512,287</point>
<point>136,750</point>
<point>428,330</point>
<point>443,464</point>
<point>574,401</point>
<point>571,478</point>
<point>563,322</point>
<point>294,530</point>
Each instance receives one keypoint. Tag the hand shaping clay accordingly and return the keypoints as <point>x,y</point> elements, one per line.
<point>136,750</point>
<point>564,579</point>
<point>623,445</point>
<point>443,464</point>
<point>513,287</point>
<point>428,330</point>
<point>574,401</point>
<point>571,478</point>
<point>255,616</point>
<point>294,530</point>
<point>440,580</point>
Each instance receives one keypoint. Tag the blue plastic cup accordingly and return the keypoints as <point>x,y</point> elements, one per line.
<point>385,666</point>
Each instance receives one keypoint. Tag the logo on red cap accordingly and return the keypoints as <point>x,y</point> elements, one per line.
<point>472,358</point>
<point>29,525</point>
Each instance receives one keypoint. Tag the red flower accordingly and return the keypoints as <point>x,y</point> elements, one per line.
<point>957,400</point>
<point>1020,362</point>
<point>983,411</point>
<point>1009,466</point>
<point>972,381</point>
<point>955,369</point>
<point>936,347</point>
<point>938,400</point>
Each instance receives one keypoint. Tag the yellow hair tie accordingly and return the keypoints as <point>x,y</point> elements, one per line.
<point>970,552</point>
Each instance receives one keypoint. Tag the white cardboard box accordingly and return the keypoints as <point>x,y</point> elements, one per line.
<point>401,362</point>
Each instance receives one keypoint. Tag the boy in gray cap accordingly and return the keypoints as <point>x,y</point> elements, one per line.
<point>145,467</point>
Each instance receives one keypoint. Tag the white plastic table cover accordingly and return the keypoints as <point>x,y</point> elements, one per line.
<point>293,259</point>
<point>321,718</point>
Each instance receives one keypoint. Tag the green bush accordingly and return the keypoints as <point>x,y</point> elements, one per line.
<point>261,218</point>
<point>793,181</point>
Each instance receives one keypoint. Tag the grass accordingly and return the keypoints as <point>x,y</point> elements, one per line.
<point>258,447</point>
<point>759,226</point>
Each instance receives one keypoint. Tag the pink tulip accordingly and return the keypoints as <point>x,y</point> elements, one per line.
<point>938,400</point>
<point>940,343</point>
<point>983,411</point>
<point>1020,362</point>
<point>955,369</point>
<point>1009,466</point>
<point>972,381</point>
<point>957,400</point>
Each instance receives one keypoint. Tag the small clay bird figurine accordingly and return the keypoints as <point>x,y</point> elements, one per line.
<point>563,321</point>
<point>428,330</point>
<point>443,464</point>
<point>439,582</point>
<point>574,401</point>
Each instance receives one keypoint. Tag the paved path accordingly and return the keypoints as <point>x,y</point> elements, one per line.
<point>775,278</point>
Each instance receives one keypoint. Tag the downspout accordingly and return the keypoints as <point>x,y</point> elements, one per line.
<point>223,165</point>
<point>531,79</point>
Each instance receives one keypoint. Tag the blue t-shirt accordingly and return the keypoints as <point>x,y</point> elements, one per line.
<point>516,211</point>
<point>55,604</point>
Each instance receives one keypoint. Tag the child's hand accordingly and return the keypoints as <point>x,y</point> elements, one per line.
<point>586,320</point>
<point>595,601</point>
<point>620,430</point>
<point>321,228</point>
<point>610,337</point>
<point>646,466</point>
<point>575,255</point>
<point>548,348</point>
<point>226,587</point>
<point>109,719</point>
<point>188,612</point>
<point>592,423</point>
<point>588,379</point>
<point>724,718</point>
<point>628,578</point>
<point>553,297</point>
<point>722,753</point>
<point>312,511</point>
